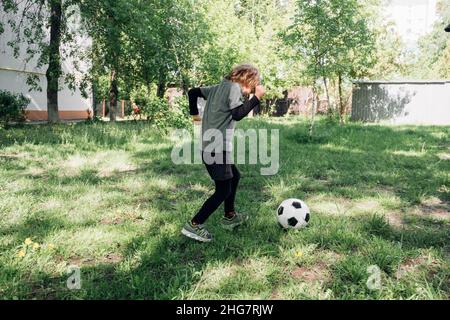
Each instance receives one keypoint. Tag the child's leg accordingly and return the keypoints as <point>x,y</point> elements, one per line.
<point>223,190</point>
<point>229,202</point>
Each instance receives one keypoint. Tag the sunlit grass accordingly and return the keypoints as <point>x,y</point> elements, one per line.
<point>107,198</point>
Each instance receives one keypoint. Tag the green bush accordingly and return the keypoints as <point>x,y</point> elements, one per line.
<point>179,113</point>
<point>12,107</point>
<point>159,112</point>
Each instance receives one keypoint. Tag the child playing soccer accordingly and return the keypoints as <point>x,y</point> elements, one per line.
<point>224,106</point>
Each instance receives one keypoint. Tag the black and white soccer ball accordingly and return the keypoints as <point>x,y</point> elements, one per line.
<point>293,214</point>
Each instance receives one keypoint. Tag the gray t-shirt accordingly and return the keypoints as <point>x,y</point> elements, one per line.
<point>217,119</point>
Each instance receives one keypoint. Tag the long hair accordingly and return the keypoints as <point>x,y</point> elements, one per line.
<point>245,74</point>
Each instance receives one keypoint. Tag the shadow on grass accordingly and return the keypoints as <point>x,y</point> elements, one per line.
<point>83,134</point>
<point>174,266</point>
<point>351,161</point>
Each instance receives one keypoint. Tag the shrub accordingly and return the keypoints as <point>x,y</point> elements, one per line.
<point>180,117</point>
<point>12,107</point>
<point>159,112</point>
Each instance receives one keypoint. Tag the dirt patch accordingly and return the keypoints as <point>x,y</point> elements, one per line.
<point>395,219</point>
<point>105,164</point>
<point>414,264</point>
<point>112,221</point>
<point>330,206</point>
<point>275,295</point>
<point>14,156</point>
<point>198,188</point>
<point>113,258</point>
<point>37,173</point>
<point>213,278</point>
<point>117,169</point>
<point>110,258</point>
<point>331,257</point>
<point>444,156</point>
<point>367,206</point>
<point>434,207</point>
<point>312,274</point>
<point>344,206</point>
<point>81,262</point>
<point>118,220</point>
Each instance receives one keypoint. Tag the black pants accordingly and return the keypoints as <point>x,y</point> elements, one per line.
<point>225,192</point>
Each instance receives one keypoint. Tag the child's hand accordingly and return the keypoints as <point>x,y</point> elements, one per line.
<point>260,92</point>
<point>196,119</point>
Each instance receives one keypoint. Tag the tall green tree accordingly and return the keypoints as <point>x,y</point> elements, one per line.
<point>229,40</point>
<point>108,24</point>
<point>389,52</point>
<point>167,40</point>
<point>433,61</point>
<point>351,55</point>
<point>151,43</point>
<point>246,31</point>
<point>31,20</point>
<point>332,39</point>
<point>310,43</point>
<point>279,71</point>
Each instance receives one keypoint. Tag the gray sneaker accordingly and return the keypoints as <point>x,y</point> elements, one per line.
<point>198,232</point>
<point>237,220</point>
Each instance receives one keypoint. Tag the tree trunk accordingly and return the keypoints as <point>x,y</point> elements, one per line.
<point>161,90</point>
<point>341,103</point>
<point>330,109</point>
<point>185,85</point>
<point>313,112</point>
<point>113,93</point>
<point>94,100</point>
<point>161,86</point>
<point>149,87</point>
<point>54,61</point>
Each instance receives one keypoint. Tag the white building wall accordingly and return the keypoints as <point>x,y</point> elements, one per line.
<point>14,73</point>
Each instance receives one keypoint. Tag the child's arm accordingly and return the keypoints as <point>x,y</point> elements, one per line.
<point>243,110</point>
<point>194,94</point>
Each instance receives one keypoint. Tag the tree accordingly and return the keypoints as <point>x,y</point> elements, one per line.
<point>228,41</point>
<point>352,47</point>
<point>142,43</point>
<point>434,55</point>
<point>54,60</point>
<point>31,21</point>
<point>167,40</point>
<point>246,31</point>
<point>389,52</point>
<point>279,71</point>
<point>310,43</point>
<point>332,39</point>
<point>107,23</point>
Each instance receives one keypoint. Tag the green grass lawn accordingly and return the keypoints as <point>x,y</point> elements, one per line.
<point>106,197</point>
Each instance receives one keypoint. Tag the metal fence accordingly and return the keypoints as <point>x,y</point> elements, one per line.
<point>102,108</point>
<point>419,102</point>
